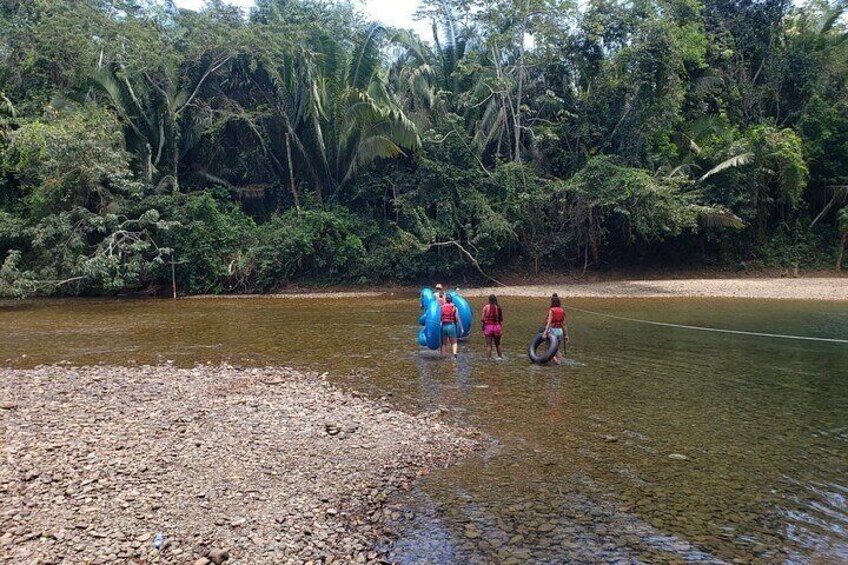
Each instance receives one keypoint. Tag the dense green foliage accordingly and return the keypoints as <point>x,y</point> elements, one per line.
<point>302,143</point>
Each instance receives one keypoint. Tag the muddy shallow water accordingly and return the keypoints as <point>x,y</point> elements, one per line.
<point>652,444</point>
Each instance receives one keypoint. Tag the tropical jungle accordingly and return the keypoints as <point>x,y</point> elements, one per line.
<point>300,143</point>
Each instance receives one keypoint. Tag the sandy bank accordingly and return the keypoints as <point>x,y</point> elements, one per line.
<point>269,465</point>
<point>294,294</point>
<point>829,288</point>
<point>782,288</point>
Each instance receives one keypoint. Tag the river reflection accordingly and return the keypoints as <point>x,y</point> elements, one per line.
<point>652,444</point>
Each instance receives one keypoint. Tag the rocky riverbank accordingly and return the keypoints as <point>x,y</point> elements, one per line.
<point>205,465</point>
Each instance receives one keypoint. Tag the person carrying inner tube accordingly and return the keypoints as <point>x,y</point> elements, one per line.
<point>492,321</point>
<point>440,293</point>
<point>555,325</point>
<point>451,326</point>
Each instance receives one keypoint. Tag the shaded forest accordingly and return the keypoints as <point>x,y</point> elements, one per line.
<point>301,142</point>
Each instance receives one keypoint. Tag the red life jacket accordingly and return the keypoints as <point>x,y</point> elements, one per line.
<point>492,314</point>
<point>448,313</point>
<point>557,316</point>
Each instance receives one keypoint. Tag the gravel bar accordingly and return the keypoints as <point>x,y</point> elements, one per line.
<point>835,289</point>
<point>205,465</point>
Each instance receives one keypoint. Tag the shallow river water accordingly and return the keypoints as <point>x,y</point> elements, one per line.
<point>652,444</point>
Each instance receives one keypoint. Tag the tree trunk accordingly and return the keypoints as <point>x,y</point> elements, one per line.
<point>146,162</point>
<point>516,115</point>
<point>175,158</point>
<point>842,247</point>
<point>175,166</point>
<point>291,174</point>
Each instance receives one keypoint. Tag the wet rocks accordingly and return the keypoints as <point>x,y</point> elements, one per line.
<point>99,460</point>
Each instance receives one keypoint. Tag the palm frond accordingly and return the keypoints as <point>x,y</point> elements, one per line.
<point>830,17</point>
<point>716,217</point>
<point>842,219</point>
<point>6,106</point>
<point>366,60</point>
<point>681,170</point>
<point>735,161</point>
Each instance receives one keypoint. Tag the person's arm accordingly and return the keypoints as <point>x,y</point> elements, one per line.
<point>456,317</point>
<point>483,315</point>
<point>565,328</point>
<point>547,324</point>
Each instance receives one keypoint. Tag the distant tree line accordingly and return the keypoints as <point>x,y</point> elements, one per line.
<point>303,143</point>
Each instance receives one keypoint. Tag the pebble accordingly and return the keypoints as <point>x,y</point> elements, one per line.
<point>106,456</point>
<point>218,556</point>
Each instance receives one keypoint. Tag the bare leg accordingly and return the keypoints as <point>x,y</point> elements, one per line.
<point>557,355</point>
<point>488,347</point>
<point>498,346</point>
<point>453,345</point>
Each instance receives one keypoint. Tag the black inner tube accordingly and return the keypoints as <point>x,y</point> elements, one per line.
<point>553,345</point>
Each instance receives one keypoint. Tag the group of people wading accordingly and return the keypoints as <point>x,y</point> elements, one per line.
<point>492,325</point>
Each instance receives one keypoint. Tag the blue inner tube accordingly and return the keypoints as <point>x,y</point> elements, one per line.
<point>547,354</point>
<point>431,318</point>
<point>431,334</point>
<point>463,308</point>
<point>426,297</point>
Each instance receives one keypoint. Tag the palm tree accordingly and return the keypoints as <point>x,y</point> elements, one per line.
<point>158,126</point>
<point>429,84</point>
<point>335,107</point>
<point>354,118</point>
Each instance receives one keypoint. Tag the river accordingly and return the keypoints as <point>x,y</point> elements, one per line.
<point>651,444</point>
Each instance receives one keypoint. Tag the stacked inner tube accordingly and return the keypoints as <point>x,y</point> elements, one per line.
<point>430,335</point>
<point>548,353</point>
<point>463,310</point>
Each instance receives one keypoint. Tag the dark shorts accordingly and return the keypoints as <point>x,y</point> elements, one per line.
<point>448,330</point>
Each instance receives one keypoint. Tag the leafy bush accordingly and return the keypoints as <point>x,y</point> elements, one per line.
<point>315,245</point>
<point>207,239</point>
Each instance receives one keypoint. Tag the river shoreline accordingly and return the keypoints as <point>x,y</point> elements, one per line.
<point>269,465</point>
<point>784,288</point>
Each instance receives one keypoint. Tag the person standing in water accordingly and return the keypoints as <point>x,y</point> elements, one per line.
<point>451,326</point>
<point>555,324</point>
<point>492,321</point>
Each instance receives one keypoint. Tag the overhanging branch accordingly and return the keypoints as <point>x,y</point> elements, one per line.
<point>471,257</point>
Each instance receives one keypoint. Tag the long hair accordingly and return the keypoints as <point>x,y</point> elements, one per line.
<point>555,303</point>
<point>494,307</point>
<point>449,299</point>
